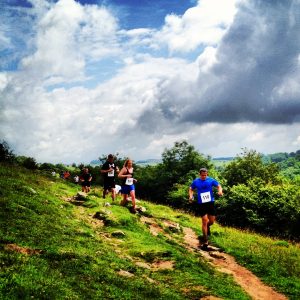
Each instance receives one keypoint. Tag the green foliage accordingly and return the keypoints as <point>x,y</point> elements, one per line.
<point>6,154</point>
<point>249,165</point>
<point>180,160</point>
<point>27,162</point>
<point>256,197</point>
<point>269,209</point>
<point>290,168</point>
<point>168,181</point>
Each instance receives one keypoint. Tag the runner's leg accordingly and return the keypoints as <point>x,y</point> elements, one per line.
<point>211,220</point>
<point>113,194</point>
<point>124,200</point>
<point>205,221</point>
<point>132,194</point>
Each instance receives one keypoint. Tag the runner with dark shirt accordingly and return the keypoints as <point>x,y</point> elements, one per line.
<point>86,179</point>
<point>109,170</point>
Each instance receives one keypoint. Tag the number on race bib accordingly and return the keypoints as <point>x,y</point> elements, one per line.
<point>129,181</point>
<point>111,173</point>
<point>205,197</point>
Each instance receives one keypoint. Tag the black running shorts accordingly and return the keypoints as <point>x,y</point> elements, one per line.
<point>206,209</point>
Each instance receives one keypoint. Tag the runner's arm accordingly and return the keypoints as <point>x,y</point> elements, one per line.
<point>220,190</point>
<point>191,194</point>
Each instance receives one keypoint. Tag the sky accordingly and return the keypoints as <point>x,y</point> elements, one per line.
<point>79,79</point>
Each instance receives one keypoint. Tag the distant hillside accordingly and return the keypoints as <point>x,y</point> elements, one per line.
<point>221,161</point>
<point>150,161</point>
<point>95,162</point>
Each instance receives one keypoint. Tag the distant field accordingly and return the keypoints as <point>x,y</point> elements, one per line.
<point>222,161</point>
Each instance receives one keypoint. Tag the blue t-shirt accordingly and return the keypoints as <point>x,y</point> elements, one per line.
<point>204,189</point>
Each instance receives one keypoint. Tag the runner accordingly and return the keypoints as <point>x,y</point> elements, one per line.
<point>109,169</point>
<point>206,207</point>
<point>126,174</point>
<point>86,179</point>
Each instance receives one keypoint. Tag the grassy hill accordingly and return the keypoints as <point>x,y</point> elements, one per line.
<point>55,247</point>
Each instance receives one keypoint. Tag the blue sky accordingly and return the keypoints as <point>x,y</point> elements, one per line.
<point>79,79</point>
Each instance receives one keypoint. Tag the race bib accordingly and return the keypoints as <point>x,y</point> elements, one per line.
<point>111,173</point>
<point>205,197</point>
<point>129,181</point>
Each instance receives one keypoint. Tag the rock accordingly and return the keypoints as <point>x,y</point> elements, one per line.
<point>81,196</point>
<point>118,233</point>
<point>105,216</point>
<point>143,265</point>
<point>125,273</point>
<point>141,209</point>
<point>174,227</point>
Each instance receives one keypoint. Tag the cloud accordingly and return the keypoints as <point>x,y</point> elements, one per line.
<point>204,24</point>
<point>241,82</point>
<point>251,76</point>
<point>68,36</point>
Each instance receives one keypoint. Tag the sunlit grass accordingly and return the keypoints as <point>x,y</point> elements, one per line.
<point>80,259</point>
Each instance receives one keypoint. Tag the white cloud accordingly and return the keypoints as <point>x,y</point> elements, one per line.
<point>68,36</point>
<point>204,24</point>
<point>149,102</point>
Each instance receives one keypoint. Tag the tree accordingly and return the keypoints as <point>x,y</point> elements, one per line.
<point>6,154</point>
<point>27,162</point>
<point>249,165</point>
<point>181,159</point>
<point>165,182</point>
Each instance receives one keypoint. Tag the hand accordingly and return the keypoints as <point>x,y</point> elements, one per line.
<point>220,193</point>
<point>191,199</point>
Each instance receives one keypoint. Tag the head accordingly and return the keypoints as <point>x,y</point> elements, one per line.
<point>85,170</point>
<point>128,163</point>
<point>110,158</point>
<point>203,173</point>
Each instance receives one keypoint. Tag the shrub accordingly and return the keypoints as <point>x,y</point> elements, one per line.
<point>269,209</point>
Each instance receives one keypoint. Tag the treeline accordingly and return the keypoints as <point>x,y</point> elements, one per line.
<point>288,163</point>
<point>7,156</point>
<point>258,194</point>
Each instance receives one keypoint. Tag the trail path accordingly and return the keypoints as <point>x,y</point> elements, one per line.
<point>225,263</point>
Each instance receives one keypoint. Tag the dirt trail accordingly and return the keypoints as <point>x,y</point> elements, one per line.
<point>255,288</point>
<point>225,263</point>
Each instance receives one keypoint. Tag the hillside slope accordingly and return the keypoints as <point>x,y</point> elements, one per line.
<point>53,246</point>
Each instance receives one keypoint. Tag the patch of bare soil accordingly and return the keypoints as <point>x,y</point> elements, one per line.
<point>154,228</point>
<point>256,289</point>
<point>163,265</point>
<point>23,250</point>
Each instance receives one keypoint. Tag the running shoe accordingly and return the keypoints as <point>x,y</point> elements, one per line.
<point>204,247</point>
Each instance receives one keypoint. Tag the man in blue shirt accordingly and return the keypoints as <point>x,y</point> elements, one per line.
<point>204,186</point>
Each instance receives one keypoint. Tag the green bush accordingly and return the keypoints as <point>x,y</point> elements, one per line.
<point>269,209</point>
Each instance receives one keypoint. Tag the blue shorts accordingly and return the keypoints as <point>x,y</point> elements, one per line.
<point>126,189</point>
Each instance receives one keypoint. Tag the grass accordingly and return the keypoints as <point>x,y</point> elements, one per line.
<point>276,262</point>
<point>70,255</point>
